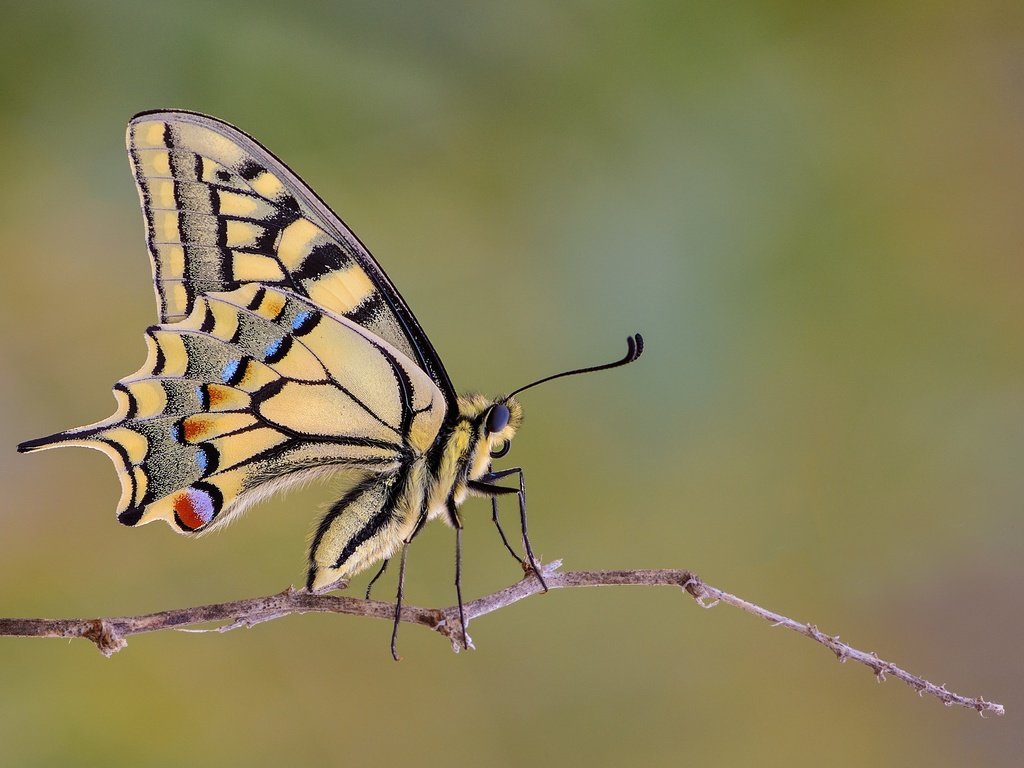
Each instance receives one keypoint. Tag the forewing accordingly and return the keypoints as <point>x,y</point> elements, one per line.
<point>221,211</point>
<point>254,390</point>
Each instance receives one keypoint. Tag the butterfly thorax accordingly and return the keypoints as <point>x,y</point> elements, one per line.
<point>465,450</point>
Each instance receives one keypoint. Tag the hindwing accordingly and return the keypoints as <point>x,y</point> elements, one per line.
<point>254,390</point>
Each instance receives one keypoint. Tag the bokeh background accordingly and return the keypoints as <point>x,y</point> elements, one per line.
<point>812,211</point>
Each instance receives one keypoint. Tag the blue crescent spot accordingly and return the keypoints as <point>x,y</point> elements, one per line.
<point>229,370</point>
<point>272,349</point>
<point>300,320</point>
<point>201,460</point>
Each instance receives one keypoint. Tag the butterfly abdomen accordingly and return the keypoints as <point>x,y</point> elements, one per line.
<point>372,521</point>
<point>367,525</point>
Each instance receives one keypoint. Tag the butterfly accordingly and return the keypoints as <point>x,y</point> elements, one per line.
<point>283,352</point>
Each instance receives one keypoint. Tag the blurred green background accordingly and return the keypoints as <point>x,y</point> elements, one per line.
<point>813,213</point>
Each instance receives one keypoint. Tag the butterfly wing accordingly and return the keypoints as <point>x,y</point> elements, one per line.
<point>221,212</point>
<point>254,390</point>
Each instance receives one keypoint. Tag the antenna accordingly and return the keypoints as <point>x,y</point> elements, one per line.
<point>636,348</point>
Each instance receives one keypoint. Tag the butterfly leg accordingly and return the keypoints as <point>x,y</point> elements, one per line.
<point>383,567</point>
<point>401,584</point>
<point>456,521</point>
<point>501,531</point>
<point>485,485</point>
<point>458,585</point>
<point>398,602</point>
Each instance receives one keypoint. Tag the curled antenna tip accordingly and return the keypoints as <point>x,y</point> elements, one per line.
<point>636,346</point>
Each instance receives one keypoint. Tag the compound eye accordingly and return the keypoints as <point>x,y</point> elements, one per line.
<point>505,446</point>
<point>497,418</point>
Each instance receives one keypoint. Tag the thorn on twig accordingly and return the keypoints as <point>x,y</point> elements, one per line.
<point>335,585</point>
<point>550,569</point>
<point>243,623</point>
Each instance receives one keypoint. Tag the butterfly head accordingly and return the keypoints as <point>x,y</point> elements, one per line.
<point>495,422</point>
<point>500,424</point>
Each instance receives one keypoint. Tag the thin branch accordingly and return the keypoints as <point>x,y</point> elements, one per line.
<point>109,634</point>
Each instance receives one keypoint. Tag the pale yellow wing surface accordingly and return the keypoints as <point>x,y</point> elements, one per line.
<point>254,390</point>
<point>221,211</point>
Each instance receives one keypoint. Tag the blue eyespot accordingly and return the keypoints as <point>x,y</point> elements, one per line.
<point>497,418</point>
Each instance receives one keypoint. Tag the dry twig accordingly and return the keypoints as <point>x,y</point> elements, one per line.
<point>109,634</point>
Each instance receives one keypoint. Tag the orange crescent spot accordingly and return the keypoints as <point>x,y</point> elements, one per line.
<point>195,427</point>
<point>271,306</point>
<point>216,394</point>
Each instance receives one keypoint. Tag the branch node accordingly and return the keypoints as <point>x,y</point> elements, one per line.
<point>437,620</point>
<point>106,638</point>
<point>690,582</point>
<point>457,644</point>
<point>696,588</point>
<point>447,624</point>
